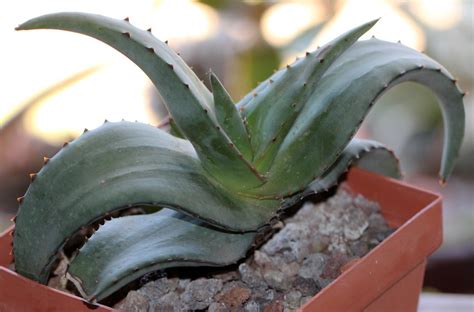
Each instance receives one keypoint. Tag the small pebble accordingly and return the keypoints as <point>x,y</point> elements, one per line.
<point>313,266</point>
<point>217,307</point>
<point>234,296</point>
<point>252,306</point>
<point>168,303</point>
<point>251,277</point>
<point>200,292</point>
<point>292,299</point>
<point>134,302</point>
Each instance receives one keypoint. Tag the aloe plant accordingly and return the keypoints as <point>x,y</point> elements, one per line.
<point>236,168</point>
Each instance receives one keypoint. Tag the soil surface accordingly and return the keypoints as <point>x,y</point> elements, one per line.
<point>284,273</point>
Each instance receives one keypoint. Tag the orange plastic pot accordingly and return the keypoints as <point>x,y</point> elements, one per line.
<point>388,278</point>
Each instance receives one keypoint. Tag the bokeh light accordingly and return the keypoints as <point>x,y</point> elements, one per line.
<point>394,24</point>
<point>438,14</point>
<point>35,60</point>
<point>184,21</point>
<point>283,21</point>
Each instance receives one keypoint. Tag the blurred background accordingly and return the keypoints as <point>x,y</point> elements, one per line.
<point>55,84</point>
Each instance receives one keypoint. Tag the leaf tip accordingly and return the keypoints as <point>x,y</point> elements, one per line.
<point>212,77</point>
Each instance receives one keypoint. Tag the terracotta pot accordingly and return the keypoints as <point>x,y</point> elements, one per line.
<point>388,278</point>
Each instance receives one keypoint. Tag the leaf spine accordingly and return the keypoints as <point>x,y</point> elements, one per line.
<point>32,176</point>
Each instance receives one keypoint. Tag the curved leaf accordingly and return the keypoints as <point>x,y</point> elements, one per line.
<point>367,154</point>
<point>229,118</point>
<point>113,167</point>
<point>126,248</point>
<point>342,99</point>
<point>186,98</point>
<point>272,112</point>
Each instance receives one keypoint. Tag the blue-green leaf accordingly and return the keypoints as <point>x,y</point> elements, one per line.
<point>343,98</point>
<point>117,166</point>
<point>126,248</point>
